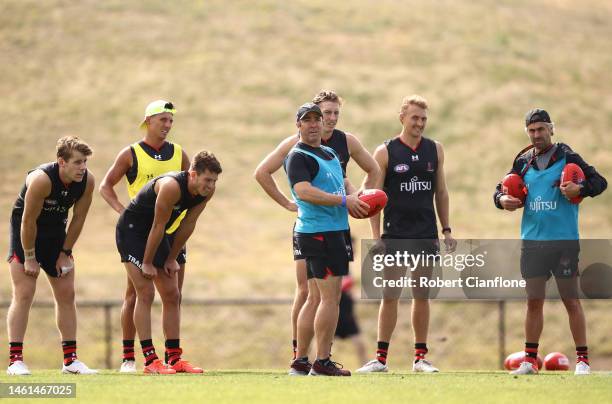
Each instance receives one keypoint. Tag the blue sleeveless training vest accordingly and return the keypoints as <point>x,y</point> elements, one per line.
<point>547,214</point>
<point>318,218</point>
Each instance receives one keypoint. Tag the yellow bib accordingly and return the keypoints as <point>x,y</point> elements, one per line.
<point>149,168</point>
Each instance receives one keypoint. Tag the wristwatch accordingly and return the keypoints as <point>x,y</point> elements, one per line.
<point>67,251</point>
<point>446,229</point>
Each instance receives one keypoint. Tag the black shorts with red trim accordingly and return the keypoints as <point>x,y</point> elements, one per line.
<point>326,253</point>
<point>132,241</point>
<point>47,246</point>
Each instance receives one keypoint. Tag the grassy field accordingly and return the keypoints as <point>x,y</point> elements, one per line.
<point>238,70</point>
<point>266,386</point>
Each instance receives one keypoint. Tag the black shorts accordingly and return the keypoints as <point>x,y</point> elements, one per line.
<point>48,248</point>
<point>132,241</point>
<point>411,246</point>
<point>347,325</point>
<point>297,253</point>
<point>182,256</point>
<point>326,253</point>
<point>547,258</point>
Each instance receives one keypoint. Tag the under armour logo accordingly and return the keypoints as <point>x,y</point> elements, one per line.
<point>157,157</point>
<point>415,157</point>
<point>64,193</point>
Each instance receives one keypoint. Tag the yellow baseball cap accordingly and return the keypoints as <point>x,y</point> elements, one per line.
<point>157,107</point>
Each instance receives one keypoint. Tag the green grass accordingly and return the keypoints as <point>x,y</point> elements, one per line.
<point>273,386</point>
<point>237,71</point>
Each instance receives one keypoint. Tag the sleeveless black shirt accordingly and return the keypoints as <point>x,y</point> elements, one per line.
<point>410,183</point>
<point>54,214</point>
<point>142,208</point>
<point>337,141</point>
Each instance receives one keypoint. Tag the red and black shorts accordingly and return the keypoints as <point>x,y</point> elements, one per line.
<point>326,253</point>
<point>48,247</point>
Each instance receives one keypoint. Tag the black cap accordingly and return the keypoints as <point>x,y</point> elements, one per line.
<point>536,115</point>
<point>306,108</point>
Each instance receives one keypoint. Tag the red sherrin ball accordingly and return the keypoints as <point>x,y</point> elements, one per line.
<point>556,361</point>
<point>376,198</point>
<point>572,172</point>
<point>513,361</point>
<point>513,185</point>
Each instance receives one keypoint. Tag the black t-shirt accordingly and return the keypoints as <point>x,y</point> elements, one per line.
<point>54,214</point>
<point>165,153</point>
<point>301,167</point>
<point>142,208</point>
<point>410,183</point>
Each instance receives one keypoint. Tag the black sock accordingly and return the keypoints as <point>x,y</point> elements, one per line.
<point>128,350</point>
<point>15,352</point>
<point>531,352</point>
<point>420,349</point>
<point>173,351</point>
<point>324,362</point>
<point>148,351</point>
<point>69,348</point>
<point>381,352</point>
<point>582,354</point>
<point>294,342</point>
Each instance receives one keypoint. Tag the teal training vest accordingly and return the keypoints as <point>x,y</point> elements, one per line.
<point>547,214</point>
<point>318,218</point>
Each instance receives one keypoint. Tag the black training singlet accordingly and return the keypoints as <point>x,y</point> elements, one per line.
<point>142,208</point>
<point>54,214</point>
<point>410,183</point>
<point>337,141</point>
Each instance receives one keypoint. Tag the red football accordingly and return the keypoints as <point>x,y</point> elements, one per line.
<point>572,172</point>
<point>513,361</point>
<point>376,198</point>
<point>513,185</point>
<point>556,361</point>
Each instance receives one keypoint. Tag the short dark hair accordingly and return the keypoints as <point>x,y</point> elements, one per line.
<point>205,160</point>
<point>68,144</point>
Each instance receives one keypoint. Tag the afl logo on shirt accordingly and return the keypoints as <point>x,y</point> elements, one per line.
<point>401,168</point>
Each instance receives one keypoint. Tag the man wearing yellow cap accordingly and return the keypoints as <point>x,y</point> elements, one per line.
<point>139,163</point>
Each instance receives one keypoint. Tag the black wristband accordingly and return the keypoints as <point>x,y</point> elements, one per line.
<point>66,251</point>
<point>446,229</point>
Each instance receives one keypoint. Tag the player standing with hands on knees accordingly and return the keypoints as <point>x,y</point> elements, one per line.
<point>38,239</point>
<point>151,259</point>
<point>318,187</point>
<point>549,232</point>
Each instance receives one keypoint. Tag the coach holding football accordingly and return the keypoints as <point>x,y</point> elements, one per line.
<point>549,232</point>
<point>318,187</point>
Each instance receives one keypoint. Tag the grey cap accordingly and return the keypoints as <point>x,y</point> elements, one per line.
<point>537,115</point>
<point>306,108</point>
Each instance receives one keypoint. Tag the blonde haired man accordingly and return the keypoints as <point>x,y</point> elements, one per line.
<point>412,175</point>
